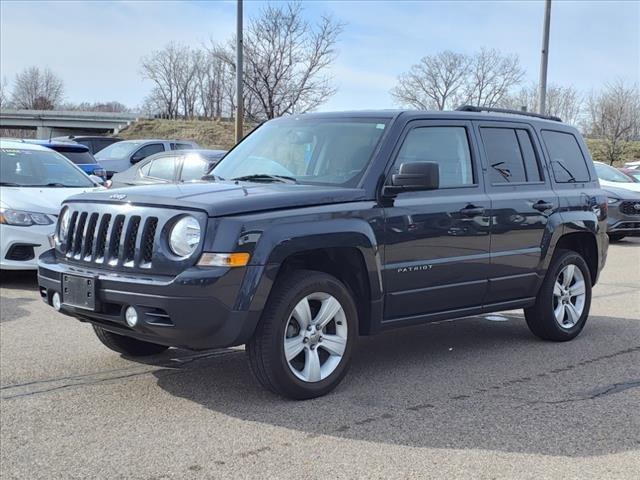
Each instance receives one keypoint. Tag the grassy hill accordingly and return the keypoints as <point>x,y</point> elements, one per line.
<point>207,133</point>
<point>220,134</point>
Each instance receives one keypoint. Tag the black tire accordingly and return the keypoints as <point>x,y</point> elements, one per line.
<point>127,345</point>
<point>265,350</point>
<point>616,237</point>
<point>541,318</point>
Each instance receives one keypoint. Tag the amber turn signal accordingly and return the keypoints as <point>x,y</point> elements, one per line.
<point>224,259</point>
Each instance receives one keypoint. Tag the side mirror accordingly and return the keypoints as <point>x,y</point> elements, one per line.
<point>96,179</point>
<point>414,176</point>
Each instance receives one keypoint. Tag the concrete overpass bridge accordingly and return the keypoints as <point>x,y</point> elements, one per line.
<point>54,123</point>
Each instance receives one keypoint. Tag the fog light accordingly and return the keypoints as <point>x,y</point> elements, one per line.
<point>131,316</point>
<point>55,301</point>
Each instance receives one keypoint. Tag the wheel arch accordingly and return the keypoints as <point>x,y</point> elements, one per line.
<point>344,248</point>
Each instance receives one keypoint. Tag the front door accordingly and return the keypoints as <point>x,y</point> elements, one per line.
<point>437,242</point>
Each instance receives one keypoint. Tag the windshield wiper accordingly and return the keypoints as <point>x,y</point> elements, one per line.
<point>572,179</point>
<point>262,177</point>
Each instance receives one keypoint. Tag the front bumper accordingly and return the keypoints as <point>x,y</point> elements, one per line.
<point>621,223</point>
<point>193,310</point>
<point>34,236</point>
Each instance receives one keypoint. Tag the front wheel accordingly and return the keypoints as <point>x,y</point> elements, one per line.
<point>563,302</point>
<point>302,346</point>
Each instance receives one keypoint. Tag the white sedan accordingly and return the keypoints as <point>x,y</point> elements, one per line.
<point>612,177</point>
<point>34,181</point>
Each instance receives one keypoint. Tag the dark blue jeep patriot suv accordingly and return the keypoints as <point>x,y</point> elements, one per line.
<point>317,228</point>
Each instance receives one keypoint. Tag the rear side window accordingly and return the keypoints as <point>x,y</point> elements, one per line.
<point>567,161</point>
<point>181,146</point>
<point>447,146</point>
<point>511,156</point>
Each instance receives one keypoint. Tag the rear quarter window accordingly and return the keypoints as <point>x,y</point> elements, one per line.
<point>567,161</point>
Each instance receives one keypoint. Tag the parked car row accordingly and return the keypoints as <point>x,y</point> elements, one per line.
<point>36,176</point>
<point>623,194</point>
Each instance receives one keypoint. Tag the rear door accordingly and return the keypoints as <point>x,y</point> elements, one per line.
<point>522,200</point>
<point>437,242</point>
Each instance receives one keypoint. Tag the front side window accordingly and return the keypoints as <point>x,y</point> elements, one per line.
<point>510,155</point>
<point>36,168</point>
<point>163,168</point>
<point>194,168</point>
<point>567,161</point>
<point>148,150</point>
<point>307,150</point>
<point>447,146</point>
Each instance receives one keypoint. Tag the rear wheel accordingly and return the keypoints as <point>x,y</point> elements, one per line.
<point>302,346</point>
<point>563,302</point>
<point>127,345</point>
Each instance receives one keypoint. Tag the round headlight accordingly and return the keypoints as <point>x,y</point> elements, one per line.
<point>185,236</point>
<point>64,225</point>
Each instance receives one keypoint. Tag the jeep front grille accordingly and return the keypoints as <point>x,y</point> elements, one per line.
<point>111,240</point>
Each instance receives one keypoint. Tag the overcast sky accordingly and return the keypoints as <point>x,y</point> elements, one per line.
<point>96,46</point>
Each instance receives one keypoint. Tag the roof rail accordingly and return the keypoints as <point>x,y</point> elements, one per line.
<point>472,108</point>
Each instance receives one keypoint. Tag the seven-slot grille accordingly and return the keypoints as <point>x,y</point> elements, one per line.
<point>629,208</point>
<point>110,239</point>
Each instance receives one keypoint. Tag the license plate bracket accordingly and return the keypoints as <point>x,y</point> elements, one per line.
<point>79,291</point>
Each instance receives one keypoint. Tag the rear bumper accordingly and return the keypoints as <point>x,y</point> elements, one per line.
<point>192,310</point>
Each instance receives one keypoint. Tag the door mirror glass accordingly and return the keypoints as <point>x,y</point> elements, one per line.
<point>97,180</point>
<point>414,176</point>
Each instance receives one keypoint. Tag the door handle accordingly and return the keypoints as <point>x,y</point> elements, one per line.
<point>472,211</point>
<point>542,206</point>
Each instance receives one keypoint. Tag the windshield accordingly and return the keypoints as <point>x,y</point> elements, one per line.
<point>314,151</point>
<point>78,157</point>
<point>610,174</point>
<point>36,168</point>
<point>118,150</point>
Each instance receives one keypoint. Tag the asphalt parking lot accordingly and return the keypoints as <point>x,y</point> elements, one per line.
<point>478,398</point>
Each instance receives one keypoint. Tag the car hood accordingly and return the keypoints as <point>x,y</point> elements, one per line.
<point>621,193</point>
<point>227,198</point>
<point>40,200</point>
<point>634,187</point>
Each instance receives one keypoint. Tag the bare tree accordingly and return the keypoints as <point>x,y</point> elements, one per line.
<point>433,82</point>
<point>36,89</point>
<point>492,76</point>
<point>286,60</point>
<point>564,102</point>
<point>447,79</point>
<point>4,93</point>
<point>112,106</point>
<point>614,117</point>
<point>168,69</point>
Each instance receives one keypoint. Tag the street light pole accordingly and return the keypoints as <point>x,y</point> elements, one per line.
<point>544,60</point>
<point>239,96</point>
